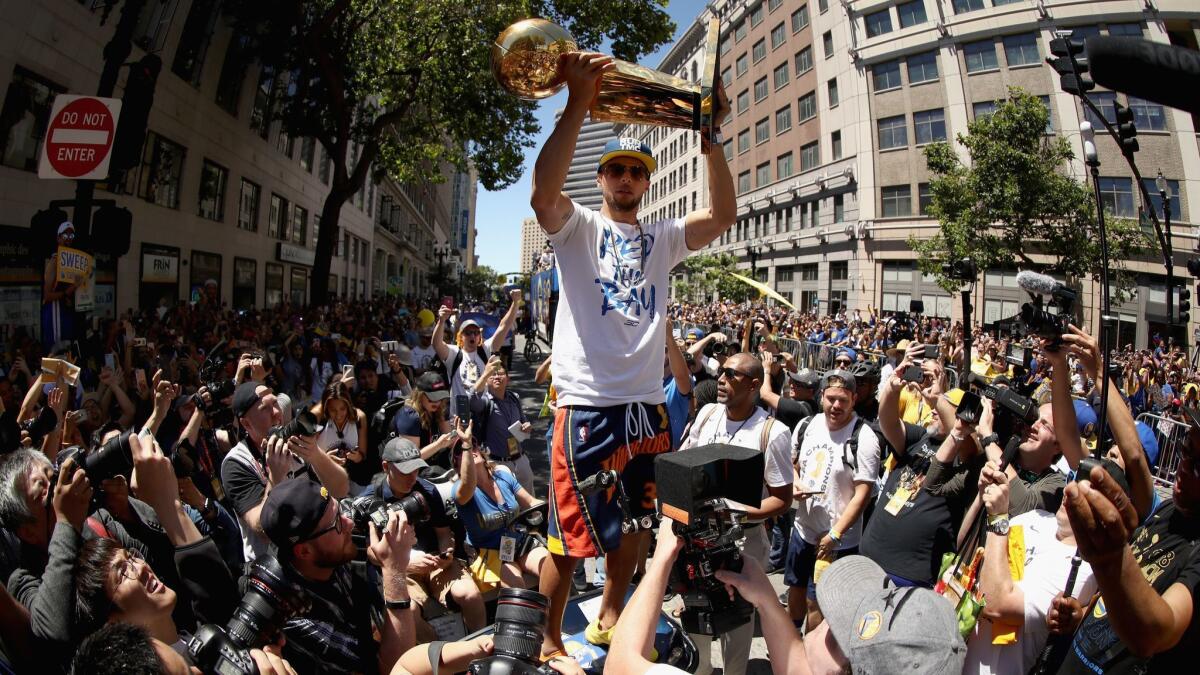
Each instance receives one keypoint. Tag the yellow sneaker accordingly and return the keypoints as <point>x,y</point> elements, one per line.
<point>603,638</point>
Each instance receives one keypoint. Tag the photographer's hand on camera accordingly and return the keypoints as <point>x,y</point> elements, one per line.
<point>154,482</point>
<point>72,495</point>
<point>278,460</point>
<point>993,485</point>
<point>270,662</point>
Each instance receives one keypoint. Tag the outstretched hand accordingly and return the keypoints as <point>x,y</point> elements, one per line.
<point>1102,517</point>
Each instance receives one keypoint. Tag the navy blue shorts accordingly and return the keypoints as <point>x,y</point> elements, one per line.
<point>801,559</point>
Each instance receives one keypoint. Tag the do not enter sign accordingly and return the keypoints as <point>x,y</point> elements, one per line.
<point>79,138</point>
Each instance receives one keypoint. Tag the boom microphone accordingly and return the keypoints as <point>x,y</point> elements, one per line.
<point>1038,284</point>
<point>1153,71</point>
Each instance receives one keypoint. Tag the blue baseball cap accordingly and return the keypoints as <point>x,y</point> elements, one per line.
<point>1085,420</point>
<point>629,147</point>
<point>1149,443</point>
<point>846,351</point>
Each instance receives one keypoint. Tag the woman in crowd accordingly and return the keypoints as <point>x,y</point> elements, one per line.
<point>422,420</point>
<point>345,432</point>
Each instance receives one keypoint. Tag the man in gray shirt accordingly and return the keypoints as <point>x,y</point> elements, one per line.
<point>494,410</point>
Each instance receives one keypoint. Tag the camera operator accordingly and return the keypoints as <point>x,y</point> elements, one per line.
<point>930,484</point>
<point>433,570</point>
<point>336,635</point>
<point>124,648</point>
<point>716,344</point>
<point>46,513</point>
<point>836,458</point>
<point>258,462</point>
<point>736,420</point>
<point>800,404</point>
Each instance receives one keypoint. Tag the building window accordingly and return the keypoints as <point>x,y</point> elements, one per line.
<point>743,141</point>
<point>233,73</point>
<point>325,165</point>
<point>803,61</point>
<point>308,148</point>
<point>806,106</point>
<point>743,64</point>
<point>756,15</point>
<point>839,270</point>
<point>244,272</point>
<point>833,93</point>
<point>835,144</point>
<point>1049,114</point>
<point>964,6</point>
<point>25,117</point>
<point>922,68</point>
<point>1021,50</point>
<point>264,97</point>
<point>929,126</point>
<point>980,56</point>
<point>299,225</point>
<point>1117,196</point>
<point>839,208</point>
<point>1156,200</point>
<point>983,109</point>
<point>897,201</point>
<point>194,40</point>
<point>815,212</point>
<point>760,89</point>
<point>1106,101</point>
<point>799,19</point>
<point>924,198</point>
<point>762,174</point>
<point>743,101</point>
<point>248,206</point>
<point>213,183</point>
<point>808,272</point>
<point>1126,29</point>
<point>810,157</point>
<point>885,75</point>
<point>781,75</point>
<point>759,51</point>
<point>1147,116</point>
<point>277,218</point>
<point>893,132</point>
<point>743,182</point>
<point>726,45</point>
<point>822,6</point>
<point>827,43</point>
<point>783,166</point>
<point>773,5</point>
<point>739,32</point>
<point>728,147</point>
<point>162,170</point>
<point>727,77</point>
<point>778,36</point>
<point>911,13</point>
<point>878,23</point>
<point>762,130</point>
<point>784,274</point>
<point>783,119</point>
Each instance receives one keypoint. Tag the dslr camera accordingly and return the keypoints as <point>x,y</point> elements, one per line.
<point>270,599</point>
<point>693,489</point>
<point>366,509</point>
<point>220,387</point>
<point>112,458</point>
<point>517,641</point>
<point>1036,319</point>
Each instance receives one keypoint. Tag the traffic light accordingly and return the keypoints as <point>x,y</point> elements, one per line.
<point>111,229</point>
<point>1126,131</point>
<point>135,114</point>
<point>1193,267</point>
<point>1185,296</point>
<point>1071,65</point>
<point>44,225</point>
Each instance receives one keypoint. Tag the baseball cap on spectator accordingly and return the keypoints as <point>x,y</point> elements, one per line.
<point>805,377</point>
<point>846,351</point>
<point>1085,419</point>
<point>695,334</point>
<point>245,397</point>
<point>628,147</point>
<point>434,386</point>
<point>900,348</point>
<point>404,355</point>
<point>1149,442</point>
<point>403,454</point>
<point>64,227</point>
<point>469,322</point>
<point>846,377</point>
<point>293,511</point>
<point>882,628</point>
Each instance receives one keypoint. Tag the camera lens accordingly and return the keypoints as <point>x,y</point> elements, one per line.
<point>114,458</point>
<point>305,424</point>
<point>269,601</point>
<point>492,521</point>
<point>415,507</point>
<point>520,620</point>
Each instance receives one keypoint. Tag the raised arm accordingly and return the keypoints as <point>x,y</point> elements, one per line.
<point>439,334</point>
<point>765,393</point>
<point>464,492</point>
<point>704,225</point>
<point>543,371</point>
<point>582,71</point>
<point>1062,407</point>
<point>678,365</point>
<point>508,320</point>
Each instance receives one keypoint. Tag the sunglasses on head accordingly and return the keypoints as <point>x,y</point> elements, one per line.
<point>618,170</point>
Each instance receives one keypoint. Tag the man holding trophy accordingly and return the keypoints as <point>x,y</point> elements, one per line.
<point>608,333</point>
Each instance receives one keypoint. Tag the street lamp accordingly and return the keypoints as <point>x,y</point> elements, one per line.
<point>752,253</point>
<point>1161,184</point>
<point>439,252</point>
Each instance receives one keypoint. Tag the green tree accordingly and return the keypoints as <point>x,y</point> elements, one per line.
<point>709,272</point>
<point>404,87</point>
<point>1015,198</point>
<point>479,282</point>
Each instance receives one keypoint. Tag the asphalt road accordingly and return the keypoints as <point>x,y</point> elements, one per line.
<point>532,396</point>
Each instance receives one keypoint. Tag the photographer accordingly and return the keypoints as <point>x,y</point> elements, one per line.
<point>800,404</point>
<point>344,434</point>
<point>433,570</point>
<point>303,520</point>
<point>124,648</point>
<point>736,420</point>
<point>262,460</point>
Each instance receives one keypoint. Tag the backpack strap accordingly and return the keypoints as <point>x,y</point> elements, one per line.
<point>851,447</point>
<point>699,423</point>
<point>800,431</point>
<point>765,436</point>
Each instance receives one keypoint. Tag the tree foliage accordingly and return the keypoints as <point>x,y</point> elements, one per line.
<point>1015,198</point>
<point>404,87</point>
<point>480,282</point>
<point>708,273</point>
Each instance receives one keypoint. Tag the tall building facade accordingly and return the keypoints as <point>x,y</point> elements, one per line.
<point>533,240</point>
<point>220,192</point>
<point>581,178</point>
<point>833,103</point>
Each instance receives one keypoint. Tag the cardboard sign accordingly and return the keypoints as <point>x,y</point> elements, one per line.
<point>72,265</point>
<point>56,367</point>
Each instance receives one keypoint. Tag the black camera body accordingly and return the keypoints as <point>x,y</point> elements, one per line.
<point>305,424</point>
<point>366,509</point>
<point>220,387</point>
<point>693,487</point>
<point>1035,319</point>
<point>271,597</point>
<point>1009,403</point>
<point>517,641</point>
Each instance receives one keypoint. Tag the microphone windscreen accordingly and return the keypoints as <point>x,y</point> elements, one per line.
<point>1038,284</point>
<point>1154,71</point>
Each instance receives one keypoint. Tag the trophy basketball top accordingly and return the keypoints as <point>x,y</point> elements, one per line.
<point>525,58</point>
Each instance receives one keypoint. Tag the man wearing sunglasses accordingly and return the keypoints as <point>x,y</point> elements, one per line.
<point>466,359</point>
<point>609,326</point>
<point>58,297</point>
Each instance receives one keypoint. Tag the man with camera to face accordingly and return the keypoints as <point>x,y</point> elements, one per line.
<point>263,459</point>
<point>433,571</point>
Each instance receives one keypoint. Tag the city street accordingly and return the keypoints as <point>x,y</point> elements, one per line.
<point>531,401</point>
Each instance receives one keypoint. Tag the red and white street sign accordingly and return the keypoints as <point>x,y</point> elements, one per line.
<point>79,139</point>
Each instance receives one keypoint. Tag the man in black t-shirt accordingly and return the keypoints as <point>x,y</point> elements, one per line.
<point>1144,620</point>
<point>801,401</point>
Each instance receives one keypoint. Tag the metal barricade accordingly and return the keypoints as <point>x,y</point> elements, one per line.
<point>1171,435</point>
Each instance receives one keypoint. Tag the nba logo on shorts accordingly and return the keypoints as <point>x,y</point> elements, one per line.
<point>583,434</point>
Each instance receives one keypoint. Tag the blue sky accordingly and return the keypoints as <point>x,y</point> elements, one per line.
<point>499,214</point>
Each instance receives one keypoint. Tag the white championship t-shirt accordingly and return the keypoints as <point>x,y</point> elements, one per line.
<point>608,333</point>
<point>714,426</point>
<point>469,370</point>
<point>821,462</point>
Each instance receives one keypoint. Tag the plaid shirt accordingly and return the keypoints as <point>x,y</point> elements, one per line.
<point>337,634</point>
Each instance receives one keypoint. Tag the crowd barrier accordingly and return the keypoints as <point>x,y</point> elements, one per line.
<point>1171,434</point>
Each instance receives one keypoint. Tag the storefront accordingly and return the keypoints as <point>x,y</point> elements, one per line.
<point>205,278</point>
<point>245,289</point>
<point>273,285</point>
<point>158,280</point>
<point>300,262</point>
<point>20,280</point>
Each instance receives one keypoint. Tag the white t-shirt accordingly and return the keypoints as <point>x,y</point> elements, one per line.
<point>423,356</point>
<point>714,426</point>
<point>469,370</point>
<point>821,461</point>
<point>1047,566</point>
<point>608,333</point>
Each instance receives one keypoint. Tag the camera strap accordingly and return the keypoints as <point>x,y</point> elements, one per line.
<point>435,654</point>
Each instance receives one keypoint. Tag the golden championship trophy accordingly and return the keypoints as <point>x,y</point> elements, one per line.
<point>525,63</point>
